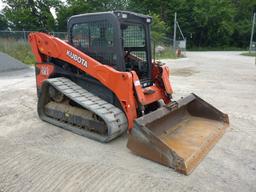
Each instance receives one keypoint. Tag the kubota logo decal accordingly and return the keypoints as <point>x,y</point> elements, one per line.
<point>77,58</point>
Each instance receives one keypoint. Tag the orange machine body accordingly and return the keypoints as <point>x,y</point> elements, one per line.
<point>125,85</point>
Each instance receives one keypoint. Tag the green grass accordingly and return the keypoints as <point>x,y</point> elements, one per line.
<point>252,54</point>
<point>168,53</point>
<point>17,49</point>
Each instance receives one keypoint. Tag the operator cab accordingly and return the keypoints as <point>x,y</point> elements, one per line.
<point>120,39</point>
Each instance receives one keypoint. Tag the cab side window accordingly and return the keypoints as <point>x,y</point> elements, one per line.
<point>96,39</point>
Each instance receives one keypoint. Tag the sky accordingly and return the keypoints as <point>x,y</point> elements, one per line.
<point>1,5</point>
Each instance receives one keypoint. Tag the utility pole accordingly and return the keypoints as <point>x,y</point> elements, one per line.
<point>174,31</point>
<point>253,23</point>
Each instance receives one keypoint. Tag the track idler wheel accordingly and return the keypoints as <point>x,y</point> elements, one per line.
<point>56,95</point>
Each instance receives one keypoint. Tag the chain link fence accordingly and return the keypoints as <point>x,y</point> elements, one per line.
<point>23,35</point>
<point>15,44</point>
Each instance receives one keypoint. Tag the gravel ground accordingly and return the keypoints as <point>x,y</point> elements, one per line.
<point>36,156</point>
<point>8,63</point>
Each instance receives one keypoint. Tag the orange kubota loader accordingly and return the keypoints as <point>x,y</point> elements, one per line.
<point>103,82</point>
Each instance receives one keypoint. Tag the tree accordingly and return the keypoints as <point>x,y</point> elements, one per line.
<point>74,7</point>
<point>205,23</point>
<point>30,14</point>
<point>3,22</point>
<point>214,22</point>
<point>66,11</point>
<point>158,28</point>
<point>208,22</point>
<point>243,24</point>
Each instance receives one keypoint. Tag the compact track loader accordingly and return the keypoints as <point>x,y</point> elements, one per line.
<point>103,82</point>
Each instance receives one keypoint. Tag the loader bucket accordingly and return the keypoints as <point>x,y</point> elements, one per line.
<point>178,137</point>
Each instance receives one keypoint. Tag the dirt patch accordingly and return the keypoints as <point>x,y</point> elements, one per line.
<point>184,72</point>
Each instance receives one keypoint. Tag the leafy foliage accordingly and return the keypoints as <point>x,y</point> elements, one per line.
<point>74,7</point>
<point>3,22</point>
<point>30,14</point>
<point>205,23</point>
<point>158,28</point>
